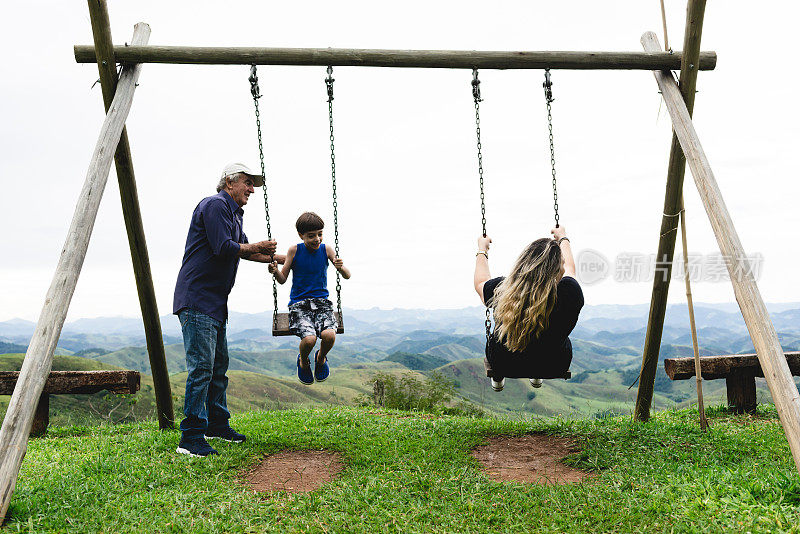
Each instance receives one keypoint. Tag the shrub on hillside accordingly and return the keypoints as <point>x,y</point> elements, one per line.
<point>434,394</point>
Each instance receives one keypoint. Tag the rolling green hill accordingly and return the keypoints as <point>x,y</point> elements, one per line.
<point>274,362</point>
<point>416,362</point>
<point>246,391</point>
<point>591,393</point>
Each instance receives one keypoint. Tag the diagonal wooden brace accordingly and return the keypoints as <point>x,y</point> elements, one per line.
<point>754,311</point>
<point>39,357</point>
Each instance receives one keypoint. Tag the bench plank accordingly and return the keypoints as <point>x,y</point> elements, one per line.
<point>59,382</point>
<point>713,367</point>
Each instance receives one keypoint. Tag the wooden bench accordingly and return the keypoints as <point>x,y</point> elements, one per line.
<point>738,370</point>
<point>61,382</point>
<point>566,376</point>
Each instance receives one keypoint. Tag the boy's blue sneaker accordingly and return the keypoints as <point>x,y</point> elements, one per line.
<point>305,375</point>
<point>197,447</point>
<point>228,434</point>
<point>321,370</point>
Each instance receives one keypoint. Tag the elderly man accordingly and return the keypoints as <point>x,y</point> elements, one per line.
<point>214,245</point>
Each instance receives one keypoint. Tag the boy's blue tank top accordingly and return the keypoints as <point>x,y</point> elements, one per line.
<point>310,274</point>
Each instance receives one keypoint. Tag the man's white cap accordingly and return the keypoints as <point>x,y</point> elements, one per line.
<point>233,168</point>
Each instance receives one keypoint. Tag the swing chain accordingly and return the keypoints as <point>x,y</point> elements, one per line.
<point>548,96</point>
<point>256,92</point>
<point>329,85</point>
<point>476,96</point>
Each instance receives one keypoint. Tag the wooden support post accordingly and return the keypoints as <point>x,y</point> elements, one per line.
<point>39,357</point>
<point>425,59</point>
<point>669,222</point>
<point>41,418</point>
<point>741,386</point>
<point>754,311</point>
<point>106,64</point>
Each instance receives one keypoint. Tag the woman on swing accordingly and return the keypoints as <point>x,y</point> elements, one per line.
<point>535,309</point>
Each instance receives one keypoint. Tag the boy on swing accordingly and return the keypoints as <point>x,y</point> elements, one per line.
<point>310,311</point>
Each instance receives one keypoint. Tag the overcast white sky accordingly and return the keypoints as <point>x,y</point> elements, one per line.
<point>406,162</point>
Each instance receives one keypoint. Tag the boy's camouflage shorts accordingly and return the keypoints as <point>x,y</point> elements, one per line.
<point>311,316</point>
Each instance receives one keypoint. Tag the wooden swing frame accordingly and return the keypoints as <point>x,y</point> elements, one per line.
<point>118,96</point>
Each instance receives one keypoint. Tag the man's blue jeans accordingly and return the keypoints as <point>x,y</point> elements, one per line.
<point>205,406</point>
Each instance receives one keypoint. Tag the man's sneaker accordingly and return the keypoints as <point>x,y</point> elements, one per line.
<point>536,382</point>
<point>321,370</point>
<point>229,435</point>
<point>498,386</point>
<point>304,375</point>
<point>197,447</point>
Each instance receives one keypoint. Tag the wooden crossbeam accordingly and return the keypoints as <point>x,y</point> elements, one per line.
<point>754,311</point>
<point>432,59</point>
<point>39,357</point>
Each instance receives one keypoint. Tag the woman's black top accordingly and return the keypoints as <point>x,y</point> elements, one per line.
<point>547,356</point>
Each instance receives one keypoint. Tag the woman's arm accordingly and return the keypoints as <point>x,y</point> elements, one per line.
<point>482,266</point>
<point>560,233</point>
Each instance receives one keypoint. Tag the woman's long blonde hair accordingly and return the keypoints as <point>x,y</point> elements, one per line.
<point>524,300</point>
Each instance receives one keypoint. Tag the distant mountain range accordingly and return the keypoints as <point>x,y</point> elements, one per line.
<point>607,345</point>
<point>614,325</point>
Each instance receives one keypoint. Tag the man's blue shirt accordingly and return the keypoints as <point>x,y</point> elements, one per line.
<point>211,257</point>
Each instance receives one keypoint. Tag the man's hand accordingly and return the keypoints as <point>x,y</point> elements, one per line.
<point>261,251</point>
<point>266,247</point>
<point>338,263</point>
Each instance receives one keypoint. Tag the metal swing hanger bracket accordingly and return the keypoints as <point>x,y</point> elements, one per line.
<point>548,87</point>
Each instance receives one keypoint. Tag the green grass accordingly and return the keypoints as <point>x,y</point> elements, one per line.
<point>412,473</point>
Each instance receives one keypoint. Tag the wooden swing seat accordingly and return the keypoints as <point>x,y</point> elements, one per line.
<point>566,376</point>
<point>280,326</point>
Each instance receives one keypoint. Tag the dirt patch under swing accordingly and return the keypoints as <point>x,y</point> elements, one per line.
<point>294,471</point>
<point>534,459</point>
